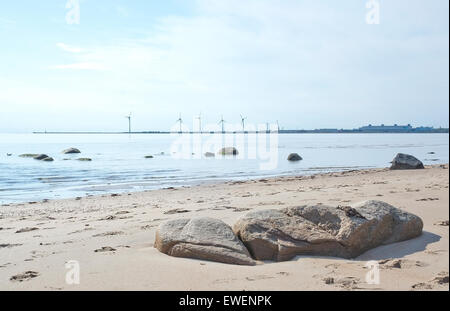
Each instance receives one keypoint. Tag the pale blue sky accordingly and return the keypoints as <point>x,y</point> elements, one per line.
<point>307,63</point>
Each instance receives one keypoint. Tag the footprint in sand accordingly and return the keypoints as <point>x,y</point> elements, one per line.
<point>105,249</point>
<point>111,217</point>
<point>9,245</point>
<point>28,275</point>
<point>400,263</point>
<point>122,212</point>
<point>147,227</point>
<point>27,229</point>
<point>176,211</point>
<point>259,277</point>
<point>443,223</point>
<point>442,279</point>
<point>348,282</point>
<point>110,233</point>
<point>428,199</point>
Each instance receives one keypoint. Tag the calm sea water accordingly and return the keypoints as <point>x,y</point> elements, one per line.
<point>118,163</point>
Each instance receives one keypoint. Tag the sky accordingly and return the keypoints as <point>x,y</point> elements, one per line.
<point>306,63</point>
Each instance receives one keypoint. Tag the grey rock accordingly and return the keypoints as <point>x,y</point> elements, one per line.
<point>71,150</point>
<point>28,155</point>
<point>294,157</point>
<point>84,159</point>
<point>405,162</point>
<point>228,151</point>
<point>209,154</point>
<point>201,238</point>
<point>345,232</point>
<point>43,157</point>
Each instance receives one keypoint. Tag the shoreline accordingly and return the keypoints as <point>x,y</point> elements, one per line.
<point>112,236</point>
<point>199,183</point>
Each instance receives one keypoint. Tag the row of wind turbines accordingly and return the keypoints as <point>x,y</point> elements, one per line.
<point>199,118</point>
<point>221,122</point>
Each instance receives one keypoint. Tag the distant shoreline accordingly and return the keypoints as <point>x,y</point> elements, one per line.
<point>436,131</point>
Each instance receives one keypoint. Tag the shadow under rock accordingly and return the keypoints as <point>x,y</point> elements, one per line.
<point>400,249</point>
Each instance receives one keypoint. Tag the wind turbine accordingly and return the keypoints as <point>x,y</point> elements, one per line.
<point>200,122</point>
<point>243,123</point>
<point>278,126</point>
<point>129,122</point>
<point>222,121</point>
<point>181,122</point>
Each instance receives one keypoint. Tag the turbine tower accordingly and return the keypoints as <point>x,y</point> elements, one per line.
<point>222,121</point>
<point>181,122</point>
<point>243,123</point>
<point>278,126</point>
<point>200,122</point>
<point>129,122</point>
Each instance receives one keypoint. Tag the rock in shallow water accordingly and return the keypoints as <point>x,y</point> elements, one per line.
<point>43,157</point>
<point>28,155</point>
<point>84,159</point>
<point>406,162</point>
<point>228,151</point>
<point>294,157</point>
<point>346,232</point>
<point>71,151</point>
<point>201,238</point>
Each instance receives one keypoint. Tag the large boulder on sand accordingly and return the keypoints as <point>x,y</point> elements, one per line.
<point>202,238</point>
<point>228,151</point>
<point>406,162</point>
<point>346,232</point>
<point>294,157</point>
<point>71,151</point>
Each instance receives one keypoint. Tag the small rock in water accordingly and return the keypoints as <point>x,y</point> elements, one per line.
<point>209,154</point>
<point>43,157</point>
<point>149,157</point>
<point>28,155</point>
<point>9,154</point>
<point>228,151</point>
<point>294,157</point>
<point>84,159</point>
<point>71,150</point>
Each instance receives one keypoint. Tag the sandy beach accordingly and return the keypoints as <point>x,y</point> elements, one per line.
<point>112,236</point>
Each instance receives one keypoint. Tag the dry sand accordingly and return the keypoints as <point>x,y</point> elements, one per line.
<point>37,239</point>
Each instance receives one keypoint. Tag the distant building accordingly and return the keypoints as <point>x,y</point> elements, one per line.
<point>386,128</point>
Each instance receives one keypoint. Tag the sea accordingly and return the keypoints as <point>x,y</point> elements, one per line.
<point>138,162</point>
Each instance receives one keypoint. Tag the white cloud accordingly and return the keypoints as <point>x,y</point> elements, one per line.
<point>81,66</point>
<point>68,48</point>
